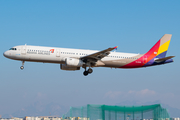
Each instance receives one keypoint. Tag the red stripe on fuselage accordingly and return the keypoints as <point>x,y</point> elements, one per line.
<point>145,58</point>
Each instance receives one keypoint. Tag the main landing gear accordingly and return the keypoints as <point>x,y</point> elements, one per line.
<point>86,72</point>
<point>22,67</point>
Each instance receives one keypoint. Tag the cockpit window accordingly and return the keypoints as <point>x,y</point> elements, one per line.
<point>12,49</point>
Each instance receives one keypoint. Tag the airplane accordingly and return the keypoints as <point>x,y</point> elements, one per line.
<point>74,59</point>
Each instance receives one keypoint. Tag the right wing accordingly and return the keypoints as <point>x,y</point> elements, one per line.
<point>98,56</point>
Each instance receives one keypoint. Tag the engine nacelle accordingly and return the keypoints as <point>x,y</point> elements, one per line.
<point>74,62</point>
<point>65,67</point>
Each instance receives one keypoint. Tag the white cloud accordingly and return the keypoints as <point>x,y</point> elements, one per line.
<point>41,95</point>
<point>113,94</point>
<point>142,92</point>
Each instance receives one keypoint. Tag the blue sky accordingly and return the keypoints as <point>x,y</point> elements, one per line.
<point>134,26</point>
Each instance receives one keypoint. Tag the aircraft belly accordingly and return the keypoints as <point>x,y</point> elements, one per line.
<point>117,63</point>
<point>39,58</point>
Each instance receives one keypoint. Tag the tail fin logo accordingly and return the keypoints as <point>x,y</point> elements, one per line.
<point>52,50</point>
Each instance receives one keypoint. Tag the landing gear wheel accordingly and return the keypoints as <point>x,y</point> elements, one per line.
<point>90,70</point>
<point>85,73</point>
<point>22,67</point>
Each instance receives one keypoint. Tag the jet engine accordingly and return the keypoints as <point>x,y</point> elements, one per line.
<point>74,62</point>
<point>65,67</point>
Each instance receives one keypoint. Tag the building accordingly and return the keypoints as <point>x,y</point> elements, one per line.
<point>34,118</point>
<point>175,118</point>
<point>13,118</point>
<point>42,118</point>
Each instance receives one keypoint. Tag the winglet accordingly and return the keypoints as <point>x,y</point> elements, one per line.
<point>116,47</point>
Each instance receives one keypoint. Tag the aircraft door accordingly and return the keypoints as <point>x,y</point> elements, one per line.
<point>57,52</point>
<point>23,50</point>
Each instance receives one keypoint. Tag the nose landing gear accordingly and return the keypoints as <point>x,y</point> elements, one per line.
<point>86,72</point>
<point>22,67</point>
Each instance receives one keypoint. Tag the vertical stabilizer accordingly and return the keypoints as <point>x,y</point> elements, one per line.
<point>164,44</point>
<point>159,50</point>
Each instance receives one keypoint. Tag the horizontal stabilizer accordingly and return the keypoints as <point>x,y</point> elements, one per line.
<point>164,59</point>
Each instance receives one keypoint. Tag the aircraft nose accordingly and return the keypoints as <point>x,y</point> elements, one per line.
<point>5,54</point>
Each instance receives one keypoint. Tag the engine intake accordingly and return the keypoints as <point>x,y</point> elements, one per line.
<point>74,62</point>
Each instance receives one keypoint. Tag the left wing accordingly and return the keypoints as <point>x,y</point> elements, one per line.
<point>97,56</point>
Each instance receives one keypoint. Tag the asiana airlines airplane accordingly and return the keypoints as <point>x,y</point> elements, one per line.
<point>74,59</point>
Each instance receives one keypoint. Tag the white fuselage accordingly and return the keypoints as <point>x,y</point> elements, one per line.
<point>58,55</point>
